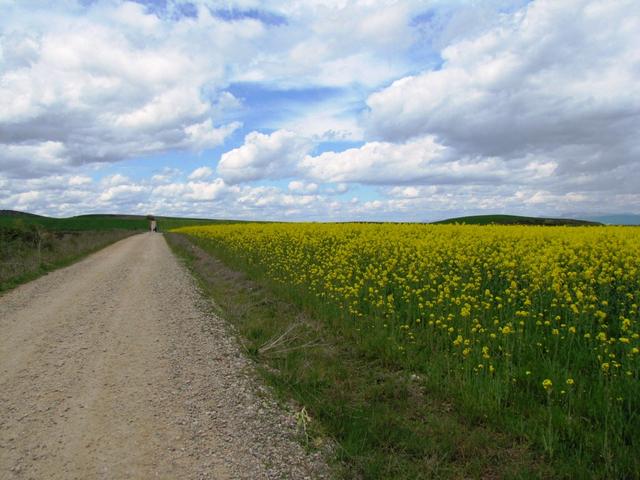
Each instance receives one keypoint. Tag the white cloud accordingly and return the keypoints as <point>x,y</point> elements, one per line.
<point>421,160</point>
<point>166,175</point>
<point>263,156</point>
<point>116,180</point>
<point>531,111</point>
<point>79,180</point>
<point>297,186</point>
<point>201,173</point>
<point>122,193</point>
<point>113,83</point>
<point>412,191</point>
<point>47,156</point>
<point>335,44</point>
<point>556,75</point>
<point>109,81</point>
<point>205,135</point>
<point>206,190</point>
<point>195,191</point>
<point>61,195</point>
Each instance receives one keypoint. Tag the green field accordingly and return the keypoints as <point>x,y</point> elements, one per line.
<point>9,218</point>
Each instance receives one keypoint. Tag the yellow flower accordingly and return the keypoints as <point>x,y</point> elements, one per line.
<point>570,381</point>
<point>547,384</point>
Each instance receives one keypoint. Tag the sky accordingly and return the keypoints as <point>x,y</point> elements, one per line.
<point>320,110</point>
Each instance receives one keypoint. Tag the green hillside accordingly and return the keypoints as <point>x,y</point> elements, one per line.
<point>9,218</point>
<point>31,245</point>
<point>514,220</point>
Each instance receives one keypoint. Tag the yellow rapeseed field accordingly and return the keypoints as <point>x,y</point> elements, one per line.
<point>537,319</point>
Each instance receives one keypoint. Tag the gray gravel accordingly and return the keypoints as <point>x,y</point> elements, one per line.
<point>115,368</point>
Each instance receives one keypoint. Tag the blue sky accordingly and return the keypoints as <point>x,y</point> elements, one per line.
<point>321,109</point>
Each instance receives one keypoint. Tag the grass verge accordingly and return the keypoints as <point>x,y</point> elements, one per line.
<point>384,421</point>
<point>27,252</point>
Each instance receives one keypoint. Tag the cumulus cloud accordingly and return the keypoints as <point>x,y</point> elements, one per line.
<point>539,112</point>
<point>201,173</point>
<point>114,83</point>
<point>421,160</point>
<point>297,186</point>
<point>76,180</point>
<point>197,191</point>
<point>205,135</point>
<point>165,175</point>
<point>557,79</point>
<point>106,81</point>
<point>123,194</point>
<point>531,110</point>
<point>33,157</point>
<point>336,44</point>
<point>66,195</point>
<point>274,155</point>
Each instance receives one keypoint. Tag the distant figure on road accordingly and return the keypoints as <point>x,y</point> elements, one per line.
<point>153,226</point>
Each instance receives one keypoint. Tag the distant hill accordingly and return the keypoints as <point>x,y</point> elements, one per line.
<point>15,213</point>
<point>9,218</point>
<point>515,220</point>
<point>617,219</point>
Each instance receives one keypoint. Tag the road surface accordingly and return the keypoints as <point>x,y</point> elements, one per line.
<point>115,368</point>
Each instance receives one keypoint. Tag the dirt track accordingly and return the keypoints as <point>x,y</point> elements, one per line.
<point>111,368</point>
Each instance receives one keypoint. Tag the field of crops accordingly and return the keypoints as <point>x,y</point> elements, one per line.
<point>533,329</point>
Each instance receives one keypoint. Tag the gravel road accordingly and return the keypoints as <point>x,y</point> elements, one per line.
<point>115,368</point>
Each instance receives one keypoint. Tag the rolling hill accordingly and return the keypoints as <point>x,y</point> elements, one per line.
<point>515,220</point>
<point>98,221</point>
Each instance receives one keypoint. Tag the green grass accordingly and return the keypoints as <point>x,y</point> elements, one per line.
<point>514,220</point>
<point>83,222</point>
<point>28,252</point>
<point>10,218</point>
<point>385,421</point>
<point>167,223</point>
